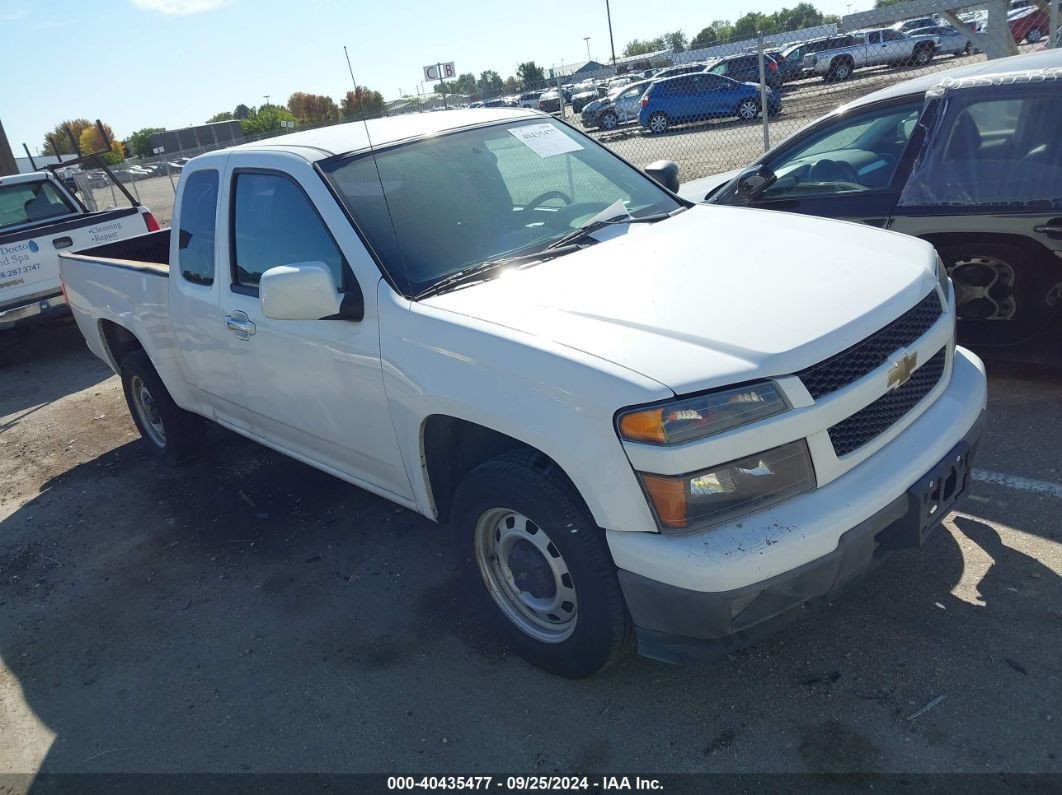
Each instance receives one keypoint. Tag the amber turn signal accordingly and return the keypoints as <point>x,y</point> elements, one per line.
<point>644,426</point>
<point>668,496</point>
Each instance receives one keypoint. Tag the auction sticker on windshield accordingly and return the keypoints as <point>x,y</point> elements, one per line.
<point>545,140</point>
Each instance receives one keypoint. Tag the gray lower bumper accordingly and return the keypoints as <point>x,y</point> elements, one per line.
<point>679,625</point>
<point>37,308</point>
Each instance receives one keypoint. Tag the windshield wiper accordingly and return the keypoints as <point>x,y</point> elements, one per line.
<point>563,245</point>
<point>484,271</point>
<point>588,229</point>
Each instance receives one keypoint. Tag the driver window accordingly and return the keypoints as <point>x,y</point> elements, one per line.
<point>856,154</point>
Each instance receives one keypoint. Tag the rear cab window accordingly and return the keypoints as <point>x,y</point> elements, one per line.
<point>31,202</point>
<point>195,246</point>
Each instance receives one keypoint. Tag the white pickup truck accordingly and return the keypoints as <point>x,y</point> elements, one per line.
<point>39,217</point>
<point>636,424</point>
<point>865,48</point>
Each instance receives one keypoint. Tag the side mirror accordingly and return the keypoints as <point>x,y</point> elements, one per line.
<point>666,173</point>
<point>306,291</point>
<point>753,182</point>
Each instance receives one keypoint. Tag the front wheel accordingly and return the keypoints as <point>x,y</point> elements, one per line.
<point>169,432</point>
<point>608,121</point>
<point>748,109</point>
<point>549,581</point>
<point>922,56</point>
<point>1034,35</point>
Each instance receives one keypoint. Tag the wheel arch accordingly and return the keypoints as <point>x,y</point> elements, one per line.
<point>118,342</point>
<point>451,447</point>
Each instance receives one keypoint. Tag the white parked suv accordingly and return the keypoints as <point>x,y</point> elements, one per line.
<point>636,425</point>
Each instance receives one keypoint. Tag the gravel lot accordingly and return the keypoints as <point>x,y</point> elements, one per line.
<point>248,613</point>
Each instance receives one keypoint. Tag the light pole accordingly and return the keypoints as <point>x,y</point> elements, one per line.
<point>611,43</point>
<point>587,40</point>
<point>266,97</point>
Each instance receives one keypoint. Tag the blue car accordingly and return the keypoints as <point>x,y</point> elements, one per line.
<point>701,96</point>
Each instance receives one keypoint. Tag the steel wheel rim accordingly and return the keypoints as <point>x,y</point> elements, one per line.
<point>1033,36</point>
<point>548,612</point>
<point>842,72</point>
<point>148,412</point>
<point>967,293</point>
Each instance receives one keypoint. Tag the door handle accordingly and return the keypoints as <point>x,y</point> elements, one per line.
<point>62,242</point>
<point>240,325</point>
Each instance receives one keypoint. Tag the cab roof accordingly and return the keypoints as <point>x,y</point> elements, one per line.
<point>356,136</point>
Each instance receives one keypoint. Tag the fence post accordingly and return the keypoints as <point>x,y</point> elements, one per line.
<point>560,96</point>
<point>1054,36</point>
<point>763,93</point>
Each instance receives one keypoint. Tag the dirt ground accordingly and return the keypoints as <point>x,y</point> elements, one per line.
<point>248,613</point>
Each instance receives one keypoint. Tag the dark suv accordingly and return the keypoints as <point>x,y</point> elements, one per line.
<point>746,69</point>
<point>972,164</point>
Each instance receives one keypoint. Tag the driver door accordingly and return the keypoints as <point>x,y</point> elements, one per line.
<point>851,168</point>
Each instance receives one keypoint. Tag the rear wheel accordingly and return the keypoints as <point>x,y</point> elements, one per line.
<point>170,433</point>
<point>840,70</point>
<point>1034,35</point>
<point>922,56</point>
<point>550,584</point>
<point>609,120</point>
<point>748,109</point>
<point>659,122</point>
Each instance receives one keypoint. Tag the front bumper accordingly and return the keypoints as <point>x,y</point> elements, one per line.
<point>37,308</point>
<point>697,596</point>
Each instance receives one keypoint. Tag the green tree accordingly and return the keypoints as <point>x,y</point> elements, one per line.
<point>242,112</point>
<point>223,116</point>
<point>802,15</point>
<point>706,38</point>
<point>489,82</point>
<point>62,140</point>
<point>530,74</point>
<point>465,84</point>
<point>512,85</point>
<point>266,119</point>
<point>639,47</point>
<point>313,108</point>
<point>362,103</point>
<point>748,25</point>
<point>676,41</point>
<point>140,141</point>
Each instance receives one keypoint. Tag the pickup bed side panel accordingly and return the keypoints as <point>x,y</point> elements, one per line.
<point>135,298</point>
<point>558,400</point>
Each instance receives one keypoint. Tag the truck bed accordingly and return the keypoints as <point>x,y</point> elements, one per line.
<point>151,251</point>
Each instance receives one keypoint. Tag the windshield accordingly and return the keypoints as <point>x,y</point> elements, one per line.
<point>460,199</point>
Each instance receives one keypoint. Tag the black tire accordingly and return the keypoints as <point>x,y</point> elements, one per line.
<point>1034,35</point>
<point>608,121</point>
<point>662,122</point>
<point>922,56</point>
<point>528,484</point>
<point>747,109</point>
<point>182,432</point>
<point>840,70</point>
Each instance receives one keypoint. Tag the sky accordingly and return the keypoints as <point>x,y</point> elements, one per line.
<point>172,63</point>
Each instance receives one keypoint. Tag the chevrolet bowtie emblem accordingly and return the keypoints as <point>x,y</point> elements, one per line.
<point>900,372</point>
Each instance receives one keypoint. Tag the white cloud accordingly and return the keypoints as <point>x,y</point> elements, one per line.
<point>178,7</point>
<point>11,16</point>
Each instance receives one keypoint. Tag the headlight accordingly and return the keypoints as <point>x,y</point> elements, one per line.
<point>943,280</point>
<point>690,502</point>
<point>704,415</point>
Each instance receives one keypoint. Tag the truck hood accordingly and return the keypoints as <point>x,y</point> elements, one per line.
<point>713,296</point>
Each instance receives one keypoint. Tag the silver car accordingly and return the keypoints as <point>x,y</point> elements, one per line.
<point>948,40</point>
<point>619,107</point>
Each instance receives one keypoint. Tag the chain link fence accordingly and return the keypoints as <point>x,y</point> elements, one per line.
<point>702,108</point>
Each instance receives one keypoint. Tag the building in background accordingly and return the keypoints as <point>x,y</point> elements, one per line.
<point>213,135</point>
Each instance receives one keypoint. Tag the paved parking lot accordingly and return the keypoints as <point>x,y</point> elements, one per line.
<point>248,613</point>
